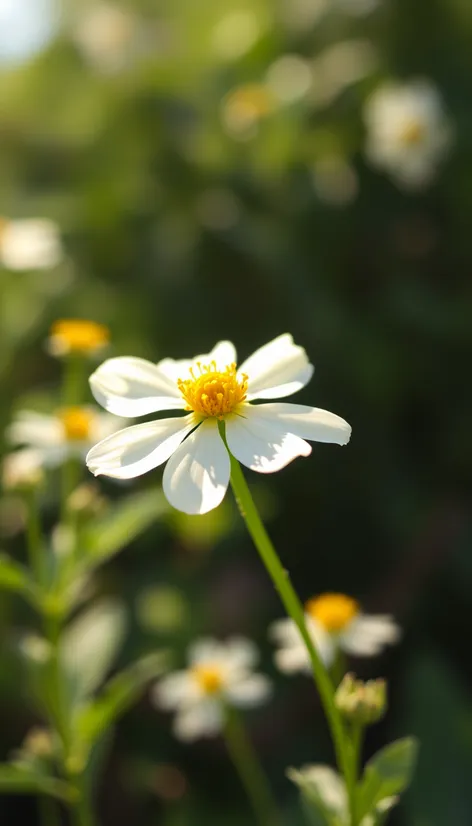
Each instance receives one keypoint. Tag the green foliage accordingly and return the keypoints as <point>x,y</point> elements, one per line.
<point>21,780</point>
<point>15,577</point>
<point>105,536</point>
<point>89,647</point>
<point>387,774</point>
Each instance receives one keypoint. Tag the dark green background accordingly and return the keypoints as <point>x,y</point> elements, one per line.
<point>379,292</point>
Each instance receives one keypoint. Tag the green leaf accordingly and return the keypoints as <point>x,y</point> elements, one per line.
<point>14,577</point>
<point>387,774</point>
<point>118,695</point>
<point>122,524</point>
<point>15,778</point>
<point>323,794</point>
<point>89,647</point>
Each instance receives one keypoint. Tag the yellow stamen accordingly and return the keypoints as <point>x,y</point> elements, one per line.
<point>209,678</point>
<point>333,611</point>
<point>412,133</point>
<point>77,423</point>
<point>77,336</point>
<point>213,393</point>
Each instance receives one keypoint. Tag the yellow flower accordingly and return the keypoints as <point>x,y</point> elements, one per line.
<point>77,336</point>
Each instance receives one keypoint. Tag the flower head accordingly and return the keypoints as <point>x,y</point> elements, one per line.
<point>211,389</point>
<point>219,674</point>
<point>29,244</point>
<point>408,133</point>
<point>77,336</point>
<point>69,432</point>
<point>334,621</point>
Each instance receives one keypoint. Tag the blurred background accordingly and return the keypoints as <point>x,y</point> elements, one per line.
<point>232,169</point>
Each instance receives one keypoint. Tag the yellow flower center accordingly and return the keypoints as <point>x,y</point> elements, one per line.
<point>412,133</point>
<point>78,336</point>
<point>77,423</point>
<point>210,392</point>
<point>333,611</point>
<point>208,677</point>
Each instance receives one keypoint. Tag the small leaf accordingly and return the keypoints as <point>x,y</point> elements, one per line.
<point>323,794</point>
<point>15,778</point>
<point>387,774</point>
<point>122,524</point>
<point>90,645</point>
<point>14,577</point>
<point>118,695</point>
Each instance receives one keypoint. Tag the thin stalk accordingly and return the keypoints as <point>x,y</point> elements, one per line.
<point>34,537</point>
<point>250,771</point>
<point>294,608</point>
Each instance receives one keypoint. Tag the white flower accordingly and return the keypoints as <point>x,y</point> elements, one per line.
<point>265,437</point>
<point>219,675</point>
<point>107,37</point>
<point>54,438</point>
<point>408,133</point>
<point>334,622</point>
<point>30,244</point>
<point>22,469</point>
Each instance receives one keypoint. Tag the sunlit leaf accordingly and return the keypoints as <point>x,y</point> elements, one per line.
<point>89,647</point>
<point>107,535</point>
<point>323,794</point>
<point>387,774</point>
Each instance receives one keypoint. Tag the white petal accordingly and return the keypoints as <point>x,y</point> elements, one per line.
<point>249,692</point>
<point>138,449</point>
<point>36,429</point>
<point>240,654</point>
<point>260,444</point>
<point>223,353</point>
<point>367,635</point>
<point>132,387</point>
<point>293,655</point>
<point>174,690</point>
<point>310,423</point>
<point>201,720</point>
<point>197,476</point>
<point>204,650</point>
<point>277,369</point>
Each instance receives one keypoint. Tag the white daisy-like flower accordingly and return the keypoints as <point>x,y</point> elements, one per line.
<point>67,433</point>
<point>334,622</point>
<point>408,132</point>
<point>211,389</point>
<point>29,244</point>
<point>22,469</point>
<point>107,36</point>
<point>219,674</point>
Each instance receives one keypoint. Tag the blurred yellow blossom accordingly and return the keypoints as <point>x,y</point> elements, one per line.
<point>77,335</point>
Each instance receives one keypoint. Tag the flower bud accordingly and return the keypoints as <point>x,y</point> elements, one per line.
<point>361,702</point>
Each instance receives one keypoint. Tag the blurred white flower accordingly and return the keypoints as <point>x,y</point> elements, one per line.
<point>29,244</point>
<point>236,33</point>
<point>69,433</point>
<point>289,78</point>
<point>219,674</point>
<point>408,133</point>
<point>107,36</point>
<point>335,622</point>
<point>22,469</point>
<point>265,437</point>
<point>339,66</point>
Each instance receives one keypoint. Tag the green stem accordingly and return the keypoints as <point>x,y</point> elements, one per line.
<point>249,769</point>
<point>295,610</point>
<point>34,537</point>
<point>73,380</point>
<point>357,732</point>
